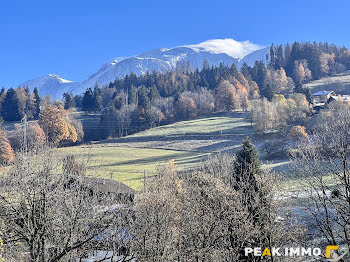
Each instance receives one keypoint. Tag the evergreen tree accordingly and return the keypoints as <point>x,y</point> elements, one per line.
<point>28,104</point>
<point>10,107</point>
<point>258,73</point>
<point>247,159</point>
<point>266,91</point>
<point>287,51</point>
<point>246,167</point>
<point>280,62</point>
<point>272,52</point>
<point>234,70</point>
<point>308,95</point>
<point>299,88</point>
<point>144,100</point>
<point>154,94</point>
<point>2,97</point>
<point>88,100</point>
<point>245,70</point>
<point>68,101</point>
<point>78,101</point>
<point>97,99</point>
<point>206,66</point>
<point>132,95</point>
<point>36,103</point>
<point>109,121</point>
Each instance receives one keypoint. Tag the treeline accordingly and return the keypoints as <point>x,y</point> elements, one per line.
<point>136,103</point>
<point>16,103</point>
<point>291,66</point>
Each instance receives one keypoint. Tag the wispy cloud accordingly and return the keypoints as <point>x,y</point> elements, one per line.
<point>227,46</point>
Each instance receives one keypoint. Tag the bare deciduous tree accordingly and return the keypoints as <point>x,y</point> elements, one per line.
<point>322,164</point>
<point>51,212</point>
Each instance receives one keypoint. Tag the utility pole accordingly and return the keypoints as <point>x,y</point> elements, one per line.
<point>24,124</point>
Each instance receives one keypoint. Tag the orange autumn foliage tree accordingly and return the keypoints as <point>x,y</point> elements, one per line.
<point>73,136</point>
<point>6,152</point>
<point>298,133</point>
<point>36,134</point>
<point>55,122</point>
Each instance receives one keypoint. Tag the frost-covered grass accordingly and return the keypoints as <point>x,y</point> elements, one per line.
<point>341,81</point>
<point>125,159</point>
<point>186,142</point>
<point>232,124</point>
<point>127,164</point>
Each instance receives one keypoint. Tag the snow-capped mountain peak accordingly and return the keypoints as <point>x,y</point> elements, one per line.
<point>58,78</point>
<point>51,84</point>
<point>215,51</point>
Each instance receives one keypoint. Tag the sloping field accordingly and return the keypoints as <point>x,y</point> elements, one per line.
<point>187,142</point>
<point>339,83</point>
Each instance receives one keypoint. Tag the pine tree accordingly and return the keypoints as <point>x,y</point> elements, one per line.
<point>144,100</point>
<point>266,91</point>
<point>247,159</point>
<point>132,95</point>
<point>36,103</point>
<point>78,100</point>
<point>245,70</point>
<point>258,73</point>
<point>68,101</point>
<point>154,94</point>
<point>246,167</point>
<point>88,100</point>
<point>272,52</point>
<point>206,66</point>
<point>247,170</point>
<point>28,104</point>
<point>97,102</point>
<point>2,96</point>
<point>299,88</point>
<point>109,121</point>
<point>10,107</point>
<point>280,62</point>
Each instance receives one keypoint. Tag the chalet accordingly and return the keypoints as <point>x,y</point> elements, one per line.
<point>322,96</point>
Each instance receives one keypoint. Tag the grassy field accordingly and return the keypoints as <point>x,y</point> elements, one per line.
<point>234,124</point>
<point>127,164</point>
<point>186,142</point>
<point>339,83</point>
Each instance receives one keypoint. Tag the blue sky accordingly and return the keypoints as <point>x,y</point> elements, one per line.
<point>73,38</point>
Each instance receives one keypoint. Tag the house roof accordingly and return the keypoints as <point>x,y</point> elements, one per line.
<point>320,93</point>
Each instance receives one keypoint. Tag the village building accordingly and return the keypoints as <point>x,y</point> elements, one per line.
<point>322,96</point>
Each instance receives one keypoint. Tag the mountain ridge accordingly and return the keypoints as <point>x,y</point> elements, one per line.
<point>215,51</point>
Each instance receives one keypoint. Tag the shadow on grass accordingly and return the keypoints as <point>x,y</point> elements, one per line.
<point>152,159</point>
